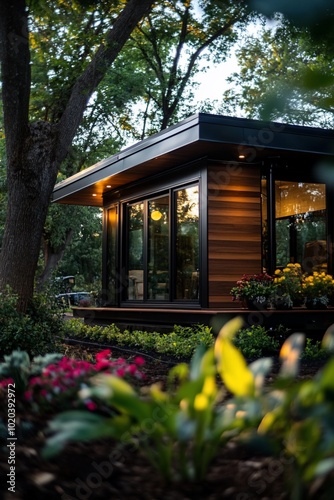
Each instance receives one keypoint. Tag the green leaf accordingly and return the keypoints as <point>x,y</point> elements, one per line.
<point>118,393</point>
<point>316,78</point>
<point>76,426</point>
<point>234,371</point>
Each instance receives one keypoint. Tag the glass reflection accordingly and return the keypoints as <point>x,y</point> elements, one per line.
<point>135,253</point>
<point>301,225</point>
<point>158,248</point>
<point>187,243</point>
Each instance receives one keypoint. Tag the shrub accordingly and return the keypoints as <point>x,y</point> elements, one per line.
<point>37,331</point>
<point>181,343</point>
<point>255,342</point>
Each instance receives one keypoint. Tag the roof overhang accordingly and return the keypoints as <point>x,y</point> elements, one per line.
<point>201,135</point>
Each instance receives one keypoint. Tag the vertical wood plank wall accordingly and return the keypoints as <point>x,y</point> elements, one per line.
<point>234,228</point>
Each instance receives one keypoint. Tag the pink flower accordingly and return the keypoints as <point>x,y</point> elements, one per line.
<point>91,405</point>
<point>101,364</point>
<point>139,361</point>
<point>132,369</point>
<point>36,381</point>
<point>28,395</point>
<point>103,355</point>
<point>120,372</point>
<point>6,382</point>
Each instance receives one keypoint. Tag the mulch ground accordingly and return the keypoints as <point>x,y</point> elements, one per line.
<point>103,470</point>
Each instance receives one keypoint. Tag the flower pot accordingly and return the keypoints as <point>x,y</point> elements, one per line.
<point>257,304</point>
<point>315,303</point>
<point>298,302</point>
<point>282,305</point>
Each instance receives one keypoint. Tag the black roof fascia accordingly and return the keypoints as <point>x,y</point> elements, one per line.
<point>176,136</point>
<point>207,128</point>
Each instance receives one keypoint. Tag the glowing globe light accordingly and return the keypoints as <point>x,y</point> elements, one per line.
<point>156,215</point>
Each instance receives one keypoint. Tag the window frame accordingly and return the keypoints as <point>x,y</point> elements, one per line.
<point>125,204</point>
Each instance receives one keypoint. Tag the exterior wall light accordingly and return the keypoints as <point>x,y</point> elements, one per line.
<point>156,215</point>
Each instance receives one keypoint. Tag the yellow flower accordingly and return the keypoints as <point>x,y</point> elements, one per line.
<point>209,387</point>
<point>201,402</point>
<point>286,270</point>
<point>278,271</point>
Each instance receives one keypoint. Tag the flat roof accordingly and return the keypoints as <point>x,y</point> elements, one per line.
<point>201,135</point>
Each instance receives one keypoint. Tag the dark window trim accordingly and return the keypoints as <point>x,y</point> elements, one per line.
<point>189,173</point>
<point>276,170</point>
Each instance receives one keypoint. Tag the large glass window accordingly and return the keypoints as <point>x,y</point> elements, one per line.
<point>162,247</point>
<point>300,224</point>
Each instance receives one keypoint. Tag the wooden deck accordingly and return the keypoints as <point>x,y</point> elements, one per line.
<point>312,323</point>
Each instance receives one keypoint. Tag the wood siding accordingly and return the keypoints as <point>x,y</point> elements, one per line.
<point>234,228</point>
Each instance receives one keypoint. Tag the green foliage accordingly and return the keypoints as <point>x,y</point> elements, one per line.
<point>253,286</point>
<point>37,331</point>
<point>314,351</point>
<point>51,383</point>
<point>284,75</point>
<point>20,368</point>
<point>256,341</point>
<point>185,423</point>
<point>180,343</point>
<point>180,429</point>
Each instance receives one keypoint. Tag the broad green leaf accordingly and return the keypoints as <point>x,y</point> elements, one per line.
<point>117,392</point>
<point>326,376</point>
<point>230,329</point>
<point>233,370</point>
<point>76,426</point>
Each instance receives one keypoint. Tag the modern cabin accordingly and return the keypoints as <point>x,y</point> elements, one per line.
<point>191,209</point>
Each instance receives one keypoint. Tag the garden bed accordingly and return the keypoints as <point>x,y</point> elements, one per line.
<point>103,470</point>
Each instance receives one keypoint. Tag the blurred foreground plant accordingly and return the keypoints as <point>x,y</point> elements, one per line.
<point>51,383</point>
<point>181,429</point>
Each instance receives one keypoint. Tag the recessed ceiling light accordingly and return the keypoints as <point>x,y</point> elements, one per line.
<point>94,194</point>
<point>242,157</point>
<point>108,186</point>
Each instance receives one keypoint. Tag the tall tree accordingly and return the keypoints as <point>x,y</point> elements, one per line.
<point>279,68</point>
<point>36,149</point>
<point>312,68</point>
<point>168,47</point>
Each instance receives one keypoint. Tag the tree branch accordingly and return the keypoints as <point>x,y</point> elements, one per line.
<point>86,84</point>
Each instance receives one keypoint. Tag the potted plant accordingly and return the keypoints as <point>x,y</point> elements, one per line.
<point>288,287</point>
<point>317,288</point>
<point>254,290</point>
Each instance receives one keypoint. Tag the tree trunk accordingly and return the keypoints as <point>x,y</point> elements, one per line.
<point>29,191</point>
<point>35,152</point>
<point>52,259</point>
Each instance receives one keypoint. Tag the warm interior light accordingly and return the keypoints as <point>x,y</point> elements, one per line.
<point>94,194</point>
<point>108,186</point>
<point>156,215</point>
<point>242,157</point>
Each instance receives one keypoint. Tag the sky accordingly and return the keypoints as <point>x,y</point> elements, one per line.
<point>213,81</point>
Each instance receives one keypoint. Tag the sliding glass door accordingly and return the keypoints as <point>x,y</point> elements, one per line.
<point>162,246</point>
